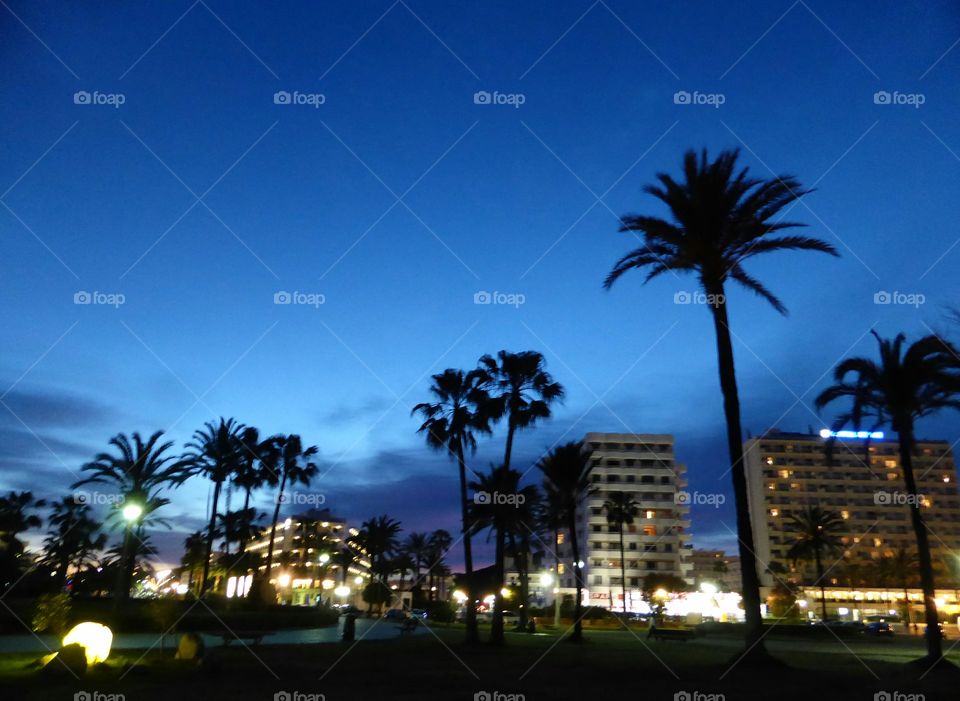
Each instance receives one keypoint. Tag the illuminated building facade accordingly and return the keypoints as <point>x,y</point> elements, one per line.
<point>642,465</point>
<point>862,482</point>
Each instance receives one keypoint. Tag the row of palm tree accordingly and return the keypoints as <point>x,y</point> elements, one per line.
<point>514,387</point>
<point>719,217</point>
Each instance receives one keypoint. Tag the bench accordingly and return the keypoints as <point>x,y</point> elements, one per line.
<point>254,637</point>
<point>681,634</point>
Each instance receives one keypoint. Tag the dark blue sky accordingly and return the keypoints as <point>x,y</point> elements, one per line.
<point>492,197</point>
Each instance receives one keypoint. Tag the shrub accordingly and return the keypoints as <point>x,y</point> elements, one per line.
<point>51,613</point>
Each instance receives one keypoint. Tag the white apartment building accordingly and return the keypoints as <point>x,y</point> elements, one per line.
<point>642,465</point>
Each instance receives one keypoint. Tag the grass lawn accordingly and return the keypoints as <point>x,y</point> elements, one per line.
<point>438,666</point>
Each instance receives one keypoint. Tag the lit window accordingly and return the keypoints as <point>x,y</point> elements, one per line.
<point>769,460</point>
<point>651,514</point>
<point>784,474</point>
<point>774,512</point>
<point>845,514</point>
<point>889,463</point>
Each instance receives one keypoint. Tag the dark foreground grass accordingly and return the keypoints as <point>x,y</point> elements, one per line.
<point>438,666</point>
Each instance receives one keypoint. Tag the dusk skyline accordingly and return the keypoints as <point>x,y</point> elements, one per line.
<point>404,195</point>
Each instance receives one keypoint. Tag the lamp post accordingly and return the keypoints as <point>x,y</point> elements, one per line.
<point>132,512</point>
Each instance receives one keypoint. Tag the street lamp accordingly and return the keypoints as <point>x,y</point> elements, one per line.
<point>132,511</point>
<point>324,559</point>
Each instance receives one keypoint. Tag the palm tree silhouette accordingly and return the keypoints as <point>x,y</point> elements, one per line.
<point>255,468</point>
<point>521,389</point>
<point>295,467</point>
<point>566,482</point>
<point>903,387</point>
<point>73,536</point>
<point>503,518</point>
<point>138,471</point>
<point>720,217</point>
<point>451,423</point>
<point>215,452</point>
<point>813,534</point>
<point>621,508</point>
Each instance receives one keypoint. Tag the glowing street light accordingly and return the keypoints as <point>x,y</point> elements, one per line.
<point>132,512</point>
<point>546,579</point>
<point>358,580</point>
<point>324,559</point>
<point>343,591</point>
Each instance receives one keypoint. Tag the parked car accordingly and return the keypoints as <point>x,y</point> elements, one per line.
<point>881,628</point>
<point>419,613</point>
<point>395,614</point>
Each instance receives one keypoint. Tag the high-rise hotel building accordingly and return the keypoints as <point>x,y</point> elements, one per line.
<point>862,482</point>
<point>642,465</point>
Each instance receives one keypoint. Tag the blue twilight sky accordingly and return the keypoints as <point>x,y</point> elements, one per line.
<point>399,197</point>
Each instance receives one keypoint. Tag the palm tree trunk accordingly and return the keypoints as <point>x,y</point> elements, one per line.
<point>933,636</point>
<point>556,572</point>
<point>823,593</point>
<point>577,635</point>
<point>243,535</point>
<point>472,634</point>
<point>273,526</point>
<point>511,430</point>
<point>731,410</point>
<point>496,627</point>
<point>209,545</point>
<point>623,571</point>
<point>125,575</point>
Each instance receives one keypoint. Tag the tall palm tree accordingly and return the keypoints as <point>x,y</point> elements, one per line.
<point>438,544</point>
<point>138,470</point>
<point>294,466</point>
<point>194,554</point>
<point>621,508</point>
<point>378,540</point>
<point>215,452</point>
<point>501,517</point>
<point>566,481</point>
<point>451,424</point>
<point>344,558</point>
<point>73,536</point>
<point>719,218</point>
<point>417,546</point>
<point>899,389</point>
<point>521,389</point>
<point>256,467</point>
<point>813,534</point>
<point>900,570</point>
